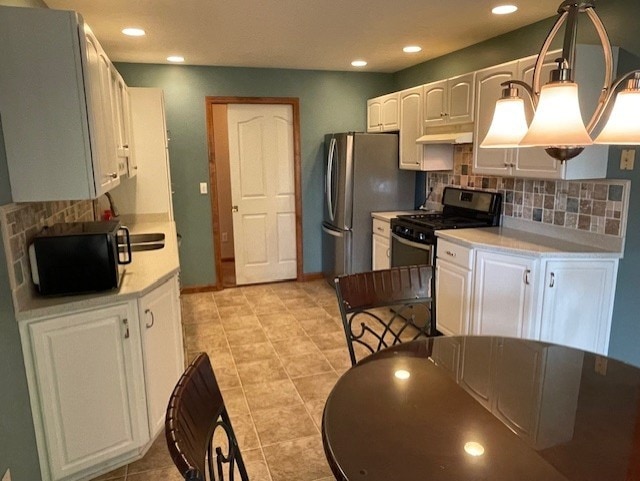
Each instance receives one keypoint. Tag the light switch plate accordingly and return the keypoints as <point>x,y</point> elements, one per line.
<point>203,187</point>
<point>7,476</point>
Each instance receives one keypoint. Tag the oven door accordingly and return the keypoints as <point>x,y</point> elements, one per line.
<point>405,252</point>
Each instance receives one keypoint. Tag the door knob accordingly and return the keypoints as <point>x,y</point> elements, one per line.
<point>234,208</point>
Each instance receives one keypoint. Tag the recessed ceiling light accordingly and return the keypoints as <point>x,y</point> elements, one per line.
<point>504,9</point>
<point>133,32</point>
<point>175,58</point>
<point>411,49</point>
<point>359,63</point>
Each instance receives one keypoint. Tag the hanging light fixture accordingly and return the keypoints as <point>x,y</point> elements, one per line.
<point>557,123</point>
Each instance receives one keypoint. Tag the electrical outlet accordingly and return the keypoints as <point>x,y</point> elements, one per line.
<point>7,476</point>
<point>203,187</point>
<point>601,365</point>
<point>627,158</point>
<point>225,237</point>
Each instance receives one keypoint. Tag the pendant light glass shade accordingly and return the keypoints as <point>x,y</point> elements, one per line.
<point>508,126</point>
<point>623,127</point>
<point>557,121</point>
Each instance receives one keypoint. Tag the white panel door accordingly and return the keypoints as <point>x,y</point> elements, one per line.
<point>263,189</point>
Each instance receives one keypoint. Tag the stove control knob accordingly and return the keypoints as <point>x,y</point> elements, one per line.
<point>422,236</point>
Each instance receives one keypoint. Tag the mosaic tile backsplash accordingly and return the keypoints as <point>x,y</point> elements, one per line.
<point>594,205</point>
<point>20,222</point>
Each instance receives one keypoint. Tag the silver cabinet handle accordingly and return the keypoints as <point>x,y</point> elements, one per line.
<point>449,253</point>
<point>380,229</point>
<point>126,328</point>
<point>526,276</point>
<point>388,253</point>
<point>552,280</point>
<point>113,175</point>
<point>153,318</point>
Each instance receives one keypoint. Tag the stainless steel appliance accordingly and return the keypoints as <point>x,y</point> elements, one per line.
<point>361,176</point>
<point>78,257</point>
<point>413,239</point>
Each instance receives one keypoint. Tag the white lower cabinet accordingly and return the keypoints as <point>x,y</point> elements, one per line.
<point>577,303</point>
<point>161,349</point>
<point>532,389</point>
<point>97,383</point>
<point>504,293</point>
<point>381,245</point>
<point>558,299</point>
<point>453,288</point>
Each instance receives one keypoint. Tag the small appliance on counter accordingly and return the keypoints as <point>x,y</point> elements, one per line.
<point>79,257</point>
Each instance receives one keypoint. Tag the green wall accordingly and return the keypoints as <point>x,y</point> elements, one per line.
<point>329,102</point>
<point>620,19</point>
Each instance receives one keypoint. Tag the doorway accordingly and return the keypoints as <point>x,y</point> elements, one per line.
<point>255,178</point>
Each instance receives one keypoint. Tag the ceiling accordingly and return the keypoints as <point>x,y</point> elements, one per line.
<point>299,34</point>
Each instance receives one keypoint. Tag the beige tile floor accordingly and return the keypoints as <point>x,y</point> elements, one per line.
<point>277,350</point>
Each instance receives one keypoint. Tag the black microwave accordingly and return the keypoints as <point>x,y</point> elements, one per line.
<point>79,257</point>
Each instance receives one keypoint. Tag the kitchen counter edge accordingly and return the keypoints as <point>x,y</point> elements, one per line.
<point>148,270</point>
<point>513,241</point>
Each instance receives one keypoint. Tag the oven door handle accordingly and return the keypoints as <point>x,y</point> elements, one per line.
<point>417,245</point>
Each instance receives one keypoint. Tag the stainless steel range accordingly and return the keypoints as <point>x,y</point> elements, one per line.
<point>413,236</point>
<point>413,239</point>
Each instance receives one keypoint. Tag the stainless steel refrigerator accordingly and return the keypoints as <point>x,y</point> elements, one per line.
<point>361,176</point>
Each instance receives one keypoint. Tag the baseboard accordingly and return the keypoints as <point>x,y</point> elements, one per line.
<point>198,289</point>
<point>312,276</point>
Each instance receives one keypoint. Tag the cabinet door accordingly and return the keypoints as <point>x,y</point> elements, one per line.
<point>410,128</point>
<point>488,90</point>
<point>460,93</point>
<point>86,366</point>
<point>503,295</point>
<point>390,113</point>
<point>534,161</point>
<point>435,103</point>
<point>162,349</point>
<point>381,252</point>
<point>374,115</point>
<point>453,298</point>
<point>98,82</point>
<point>476,370</point>
<point>577,303</point>
<point>121,121</point>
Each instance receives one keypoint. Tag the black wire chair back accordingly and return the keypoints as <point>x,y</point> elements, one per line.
<point>384,308</point>
<point>199,434</point>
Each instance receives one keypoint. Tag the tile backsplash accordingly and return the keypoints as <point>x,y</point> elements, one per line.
<point>596,206</point>
<point>21,222</point>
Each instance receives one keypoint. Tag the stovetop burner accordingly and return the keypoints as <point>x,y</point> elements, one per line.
<point>462,209</point>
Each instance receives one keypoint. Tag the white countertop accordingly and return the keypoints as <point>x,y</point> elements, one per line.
<point>504,239</point>
<point>147,270</point>
<point>387,216</point>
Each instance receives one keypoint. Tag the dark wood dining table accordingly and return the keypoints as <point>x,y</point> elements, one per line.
<point>484,408</point>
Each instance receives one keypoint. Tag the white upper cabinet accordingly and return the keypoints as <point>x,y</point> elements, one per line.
<point>488,91</point>
<point>55,104</point>
<point>449,102</point>
<point>122,124</point>
<point>533,161</point>
<point>383,113</point>
<point>410,128</point>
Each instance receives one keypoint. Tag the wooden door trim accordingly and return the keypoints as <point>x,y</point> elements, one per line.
<point>297,168</point>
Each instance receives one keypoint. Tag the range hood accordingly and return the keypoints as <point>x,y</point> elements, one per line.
<point>450,138</point>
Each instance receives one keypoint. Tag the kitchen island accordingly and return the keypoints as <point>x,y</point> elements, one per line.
<point>510,282</point>
<point>100,367</point>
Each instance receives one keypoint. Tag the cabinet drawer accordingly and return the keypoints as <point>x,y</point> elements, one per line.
<point>381,227</point>
<point>454,253</point>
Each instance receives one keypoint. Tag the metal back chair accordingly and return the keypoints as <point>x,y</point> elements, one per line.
<point>195,412</point>
<point>384,308</point>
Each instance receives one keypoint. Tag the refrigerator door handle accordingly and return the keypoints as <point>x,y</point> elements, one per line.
<point>329,179</point>
<point>333,232</point>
